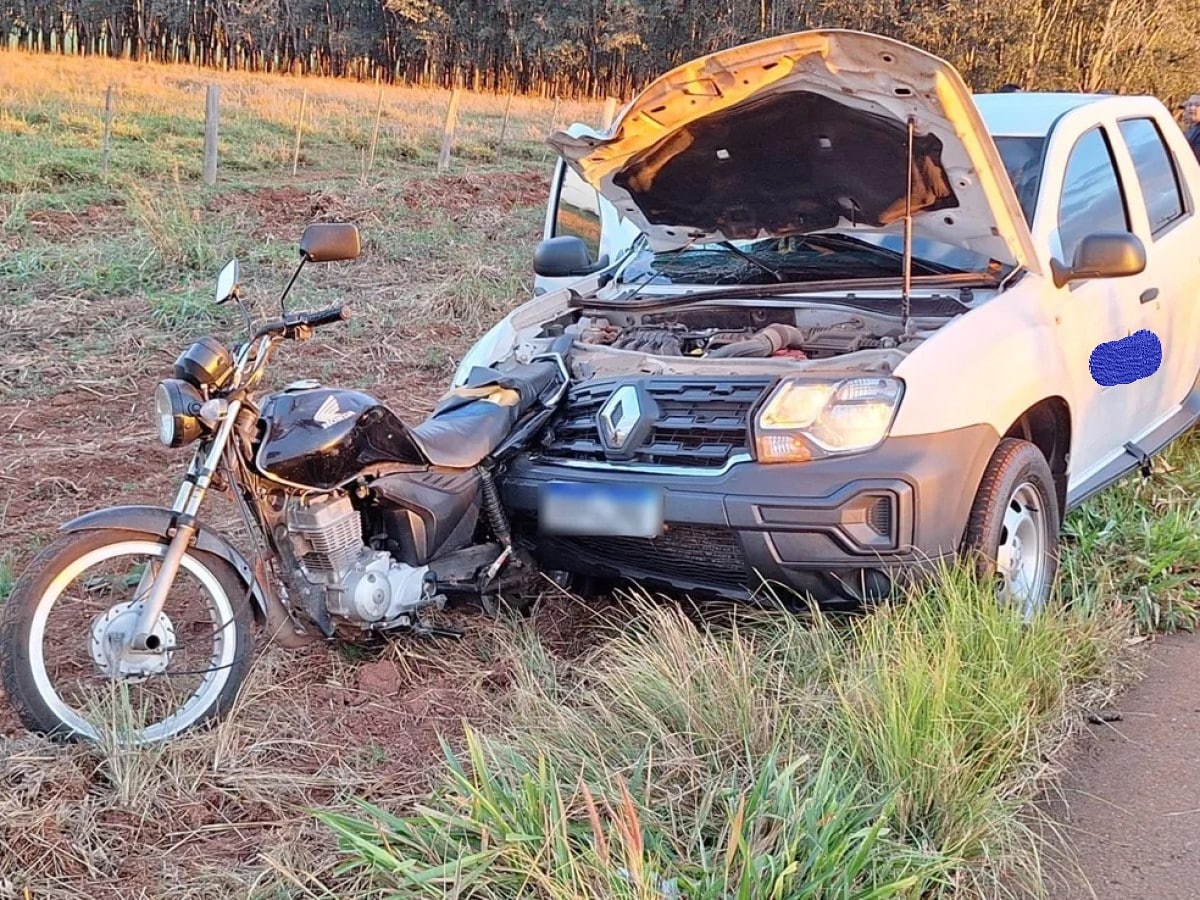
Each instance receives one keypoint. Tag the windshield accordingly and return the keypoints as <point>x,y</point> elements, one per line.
<point>799,258</point>
<point>1023,160</point>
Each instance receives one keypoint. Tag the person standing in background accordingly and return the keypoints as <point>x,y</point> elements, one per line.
<point>1191,121</point>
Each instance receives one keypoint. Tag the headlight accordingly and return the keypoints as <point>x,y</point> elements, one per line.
<point>805,419</point>
<point>206,363</point>
<point>177,409</point>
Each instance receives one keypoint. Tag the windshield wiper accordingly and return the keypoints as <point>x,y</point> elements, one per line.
<point>653,273</point>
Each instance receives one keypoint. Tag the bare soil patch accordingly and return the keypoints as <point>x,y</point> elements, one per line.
<point>65,224</point>
<point>275,211</point>
<point>458,196</point>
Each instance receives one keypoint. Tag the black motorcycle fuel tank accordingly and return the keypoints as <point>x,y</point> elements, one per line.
<point>322,438</point>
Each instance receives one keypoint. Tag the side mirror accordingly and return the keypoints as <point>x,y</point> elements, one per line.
<point>227,281</point>
<point>1110,254</point>
<point>329,242</point>
<point>564,257</point>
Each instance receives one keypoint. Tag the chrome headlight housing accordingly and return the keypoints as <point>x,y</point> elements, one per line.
<point>807,418</point>
<point>177,412</point>
<point>207,363</point>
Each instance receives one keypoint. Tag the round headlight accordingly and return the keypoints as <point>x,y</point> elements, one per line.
<point>176,410</point>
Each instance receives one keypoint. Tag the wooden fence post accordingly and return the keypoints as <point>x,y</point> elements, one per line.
<point>108,114</point>
<point>299,129</point>
<point>504,125</point>
<point>448,131</point>
<point>212,111</point>
<point>375,131</point>
<point>610,112</point>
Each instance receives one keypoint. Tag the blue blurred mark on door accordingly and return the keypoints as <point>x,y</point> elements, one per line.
<point>1128,360</point>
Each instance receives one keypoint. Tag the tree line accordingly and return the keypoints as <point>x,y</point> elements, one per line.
<point>613,47</point>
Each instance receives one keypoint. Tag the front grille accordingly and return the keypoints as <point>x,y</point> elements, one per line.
<point>700,422</point>
<point>683,553</point>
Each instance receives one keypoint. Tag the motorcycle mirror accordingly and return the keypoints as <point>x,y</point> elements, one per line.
<point>227,282</point>
<point>323,242</point>
<point>329,242</point>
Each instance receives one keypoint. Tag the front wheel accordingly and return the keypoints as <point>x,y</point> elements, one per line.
<point>61,656</point>
<point>1013,528</point>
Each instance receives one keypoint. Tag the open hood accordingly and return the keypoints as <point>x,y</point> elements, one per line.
<point>801,133</point>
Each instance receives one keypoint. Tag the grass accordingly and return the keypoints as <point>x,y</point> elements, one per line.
<point>901,752</point>
<point>145,239</point>
<point>1140,540</point>
<point>770,758</point>
<point>8,577</point>
<point>51,129</point>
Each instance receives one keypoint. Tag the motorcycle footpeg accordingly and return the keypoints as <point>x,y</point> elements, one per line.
<point>425,629</point>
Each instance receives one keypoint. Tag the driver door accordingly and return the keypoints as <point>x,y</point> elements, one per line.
<point>1100,311</point>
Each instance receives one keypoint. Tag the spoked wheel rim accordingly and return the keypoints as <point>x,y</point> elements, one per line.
<point>210,676</point>
<point>1022,569</point>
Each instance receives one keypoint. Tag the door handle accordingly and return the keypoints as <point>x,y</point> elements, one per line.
<point>1149,294</point>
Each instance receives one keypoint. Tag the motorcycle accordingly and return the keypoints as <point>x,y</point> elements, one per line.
<point>358,523</point>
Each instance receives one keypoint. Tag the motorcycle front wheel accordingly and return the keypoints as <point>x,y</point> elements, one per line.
<point>61,657</point>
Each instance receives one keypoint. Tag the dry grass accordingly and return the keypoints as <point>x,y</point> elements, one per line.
<point>159,114</point>
<point>227,812</point>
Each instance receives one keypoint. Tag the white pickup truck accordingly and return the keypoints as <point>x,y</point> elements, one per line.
<point>835,319</point>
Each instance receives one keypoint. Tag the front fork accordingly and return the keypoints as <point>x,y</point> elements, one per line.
<point>157,580</point>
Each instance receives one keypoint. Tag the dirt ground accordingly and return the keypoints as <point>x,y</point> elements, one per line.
<point>1129,802</point>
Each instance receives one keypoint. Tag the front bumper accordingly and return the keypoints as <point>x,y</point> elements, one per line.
<point>837,531</point>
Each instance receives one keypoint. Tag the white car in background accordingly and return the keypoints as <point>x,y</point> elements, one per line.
<point>819,349</point>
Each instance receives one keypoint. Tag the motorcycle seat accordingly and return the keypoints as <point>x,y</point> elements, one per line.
<point>471,421</point>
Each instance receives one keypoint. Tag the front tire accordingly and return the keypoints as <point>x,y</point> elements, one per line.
<point>193,679</point>
<point>1012,532</point>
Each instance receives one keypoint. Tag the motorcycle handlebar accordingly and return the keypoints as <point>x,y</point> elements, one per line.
<point>325,316</point>
<point>288,326</point>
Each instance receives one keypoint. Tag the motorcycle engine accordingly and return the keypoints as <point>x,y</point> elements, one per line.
<point>365,586</point>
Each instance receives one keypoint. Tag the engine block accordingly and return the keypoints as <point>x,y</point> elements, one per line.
<point>365,586</point>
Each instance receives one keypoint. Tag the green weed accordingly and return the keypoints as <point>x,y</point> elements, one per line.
<point>764,758</point>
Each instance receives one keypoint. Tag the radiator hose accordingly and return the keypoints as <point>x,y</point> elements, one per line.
<point>767,342</point>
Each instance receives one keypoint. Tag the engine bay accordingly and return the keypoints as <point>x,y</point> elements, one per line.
<point>795,334</point>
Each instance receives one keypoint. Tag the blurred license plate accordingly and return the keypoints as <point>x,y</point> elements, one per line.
<point>614,510</point>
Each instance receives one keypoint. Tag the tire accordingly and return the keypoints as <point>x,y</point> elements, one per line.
<point>1012,531</point>
<point>26,675</point>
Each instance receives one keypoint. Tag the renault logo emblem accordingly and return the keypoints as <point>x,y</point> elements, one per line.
<point>619,416</point>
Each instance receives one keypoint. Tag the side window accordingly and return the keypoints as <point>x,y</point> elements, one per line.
<point>1155,171</point>
<point>1091,197</point>
<point>578,211</point>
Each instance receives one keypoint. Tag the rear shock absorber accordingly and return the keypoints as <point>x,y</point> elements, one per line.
<point>495,512</point>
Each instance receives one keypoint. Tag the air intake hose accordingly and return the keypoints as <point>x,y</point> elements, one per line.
<point>767,342</point>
